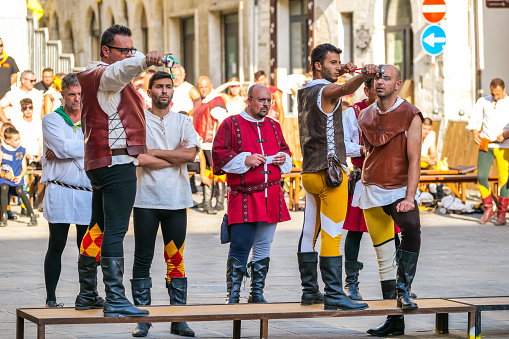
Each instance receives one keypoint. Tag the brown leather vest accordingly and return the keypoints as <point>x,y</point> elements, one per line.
<point>386,162</point>
<point>203,121</point>
<point>95,121</point>
<point>313,131</point>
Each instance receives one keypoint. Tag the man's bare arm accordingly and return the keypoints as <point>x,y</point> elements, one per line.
<point>194,94</point>
<point>148,161</point>
<point>177,156</point>
<point>4,103</point>
<point>414,143</point>
<point>14,78</point>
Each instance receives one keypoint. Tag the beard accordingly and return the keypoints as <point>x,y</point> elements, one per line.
<point>159,104</point>
<point>327,75</point>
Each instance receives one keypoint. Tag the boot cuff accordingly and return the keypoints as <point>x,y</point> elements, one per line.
<point>331,261</point>
<point>138,283</point>
<point>355,265</point>
<point>307,256</point>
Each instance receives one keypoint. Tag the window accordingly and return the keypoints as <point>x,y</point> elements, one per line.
<point>188,48</point>
<point>231,45</point>
<point>95,37</point>
<point>347,47</point>
<point>399,36</point>
<point>298,37</point>
<point>144,31</point>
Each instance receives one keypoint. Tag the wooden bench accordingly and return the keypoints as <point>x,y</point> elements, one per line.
<point>456,182</point>
<point>480,304</point>
<point>237,312</point>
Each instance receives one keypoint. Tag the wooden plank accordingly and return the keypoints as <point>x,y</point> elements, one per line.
<point>236,329</point>
<point>485,302</point>
<point>264,328</point>
<point>20,327</point>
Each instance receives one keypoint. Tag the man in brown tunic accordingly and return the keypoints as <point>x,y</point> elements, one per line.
<point>391,130</point>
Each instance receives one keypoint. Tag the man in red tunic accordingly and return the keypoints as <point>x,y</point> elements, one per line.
<point>208,113</point>
<point>252,151</point>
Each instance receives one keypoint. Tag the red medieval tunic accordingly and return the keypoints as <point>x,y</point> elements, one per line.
<point>354,220</point>
<point>274,111</point>
<point>255,195</point>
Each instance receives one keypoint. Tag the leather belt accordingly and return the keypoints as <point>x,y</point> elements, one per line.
<point>119,151</point>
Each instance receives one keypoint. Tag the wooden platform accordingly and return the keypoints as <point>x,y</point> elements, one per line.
<point>456,182</point>
<point>236,313</point>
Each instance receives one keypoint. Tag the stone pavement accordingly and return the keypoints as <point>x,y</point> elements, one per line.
<point>459,258</point>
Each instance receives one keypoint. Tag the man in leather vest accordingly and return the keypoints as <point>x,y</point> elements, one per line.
<point>114,128</point>
<point>391,131</point>
<point>321,139</point>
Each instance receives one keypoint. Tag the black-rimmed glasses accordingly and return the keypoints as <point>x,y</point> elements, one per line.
<point>124,50</point>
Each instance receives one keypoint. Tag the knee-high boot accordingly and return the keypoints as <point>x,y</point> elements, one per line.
<point>140,288</point>
<point>221,195</point>
<point>407,265</point>
<point>88,297</point>
<point>308,262</point>
<point>394,324</point>
<point>335,298</point>
<point>116,303</point>
<point>207,200</point>
<point>235,272</point>
<point>177,290</point>
<point>259,270</point>
<point>352,269</point>
<point>488,209</point>
<point>501,210</point>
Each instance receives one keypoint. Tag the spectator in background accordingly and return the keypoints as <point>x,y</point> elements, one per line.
<point>209,113</point>
<point>235,101</point>
<point>276,109</point>
<point>8,71</point>
<point>46,82</point>
<point>139,86</point>
<point>13,170</point>
<point>53,97</point>
<point>344,105</point>
<point>489,124</point>
<point>185,93</point>
<point>6,125</point>
<point>30,132</point>
<point>11,100</point>
<point>429,145</point>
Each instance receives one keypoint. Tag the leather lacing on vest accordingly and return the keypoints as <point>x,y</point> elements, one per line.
<point>329,127</point>
<point>115,124</point>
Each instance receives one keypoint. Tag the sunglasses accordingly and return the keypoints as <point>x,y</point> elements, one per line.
<point>31,80</point>
<point>1,45</point>
<point>124,50</point>
<point>28,107</point>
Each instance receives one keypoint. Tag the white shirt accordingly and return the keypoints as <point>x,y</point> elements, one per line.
<point>492,117</point>
<point>238,164</point>
<point>369,196</point>
<point>30,134</point>
<point>115,77</point>
<point>181,99</point>
<point>351,133</point>
<point>166,188</point>
<point>62,204</point>
<point>427,143</point>
<point>57,98</point>
<point>217,113</point>
<point>15,95</point>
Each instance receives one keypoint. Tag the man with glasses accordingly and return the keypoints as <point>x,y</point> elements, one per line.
<point>10,108</point>
<point>46,82</point>
<point>114,128</point>
<point>252,151</point>
<point>8,71</point>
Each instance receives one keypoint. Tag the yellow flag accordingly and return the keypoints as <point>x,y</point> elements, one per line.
<point>35,6</point>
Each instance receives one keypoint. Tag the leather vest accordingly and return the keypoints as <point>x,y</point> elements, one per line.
<point>203,121</point>
<point>313,131</point>
<point>386,163</point>
<point>95,124</point>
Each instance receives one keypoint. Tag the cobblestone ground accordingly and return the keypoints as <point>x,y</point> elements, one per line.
<point>459,258</point>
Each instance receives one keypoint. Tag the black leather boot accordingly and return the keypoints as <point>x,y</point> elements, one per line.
<point>394,324</point>
<point>207,200</point>
<point>221,195</point>
<point>33,220</point>
<point>88,297</point>
<point>235,272</point>
<point>3,222</point>
<point>116,303</point>
<point>308,262</point>
<point>177,290</point>
<point>352,269</point>
<point>140,289</point>
<point>259,270</point>
<point>335,298</point>
<point>407,265</point>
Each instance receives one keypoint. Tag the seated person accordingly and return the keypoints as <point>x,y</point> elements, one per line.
<point>13,169</point>
<point>429,145</point>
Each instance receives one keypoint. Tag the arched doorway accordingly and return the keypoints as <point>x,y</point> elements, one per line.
<point>68,39</point>
<point>95,37</point>
<point>399,36</point>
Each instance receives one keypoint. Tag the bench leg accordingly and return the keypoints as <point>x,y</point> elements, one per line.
<point>473,332</point>
<point>442,323</point>
<point>236,329</point>
<point>41,331</point>
<point>264,328</point>
<point>20,327</point>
